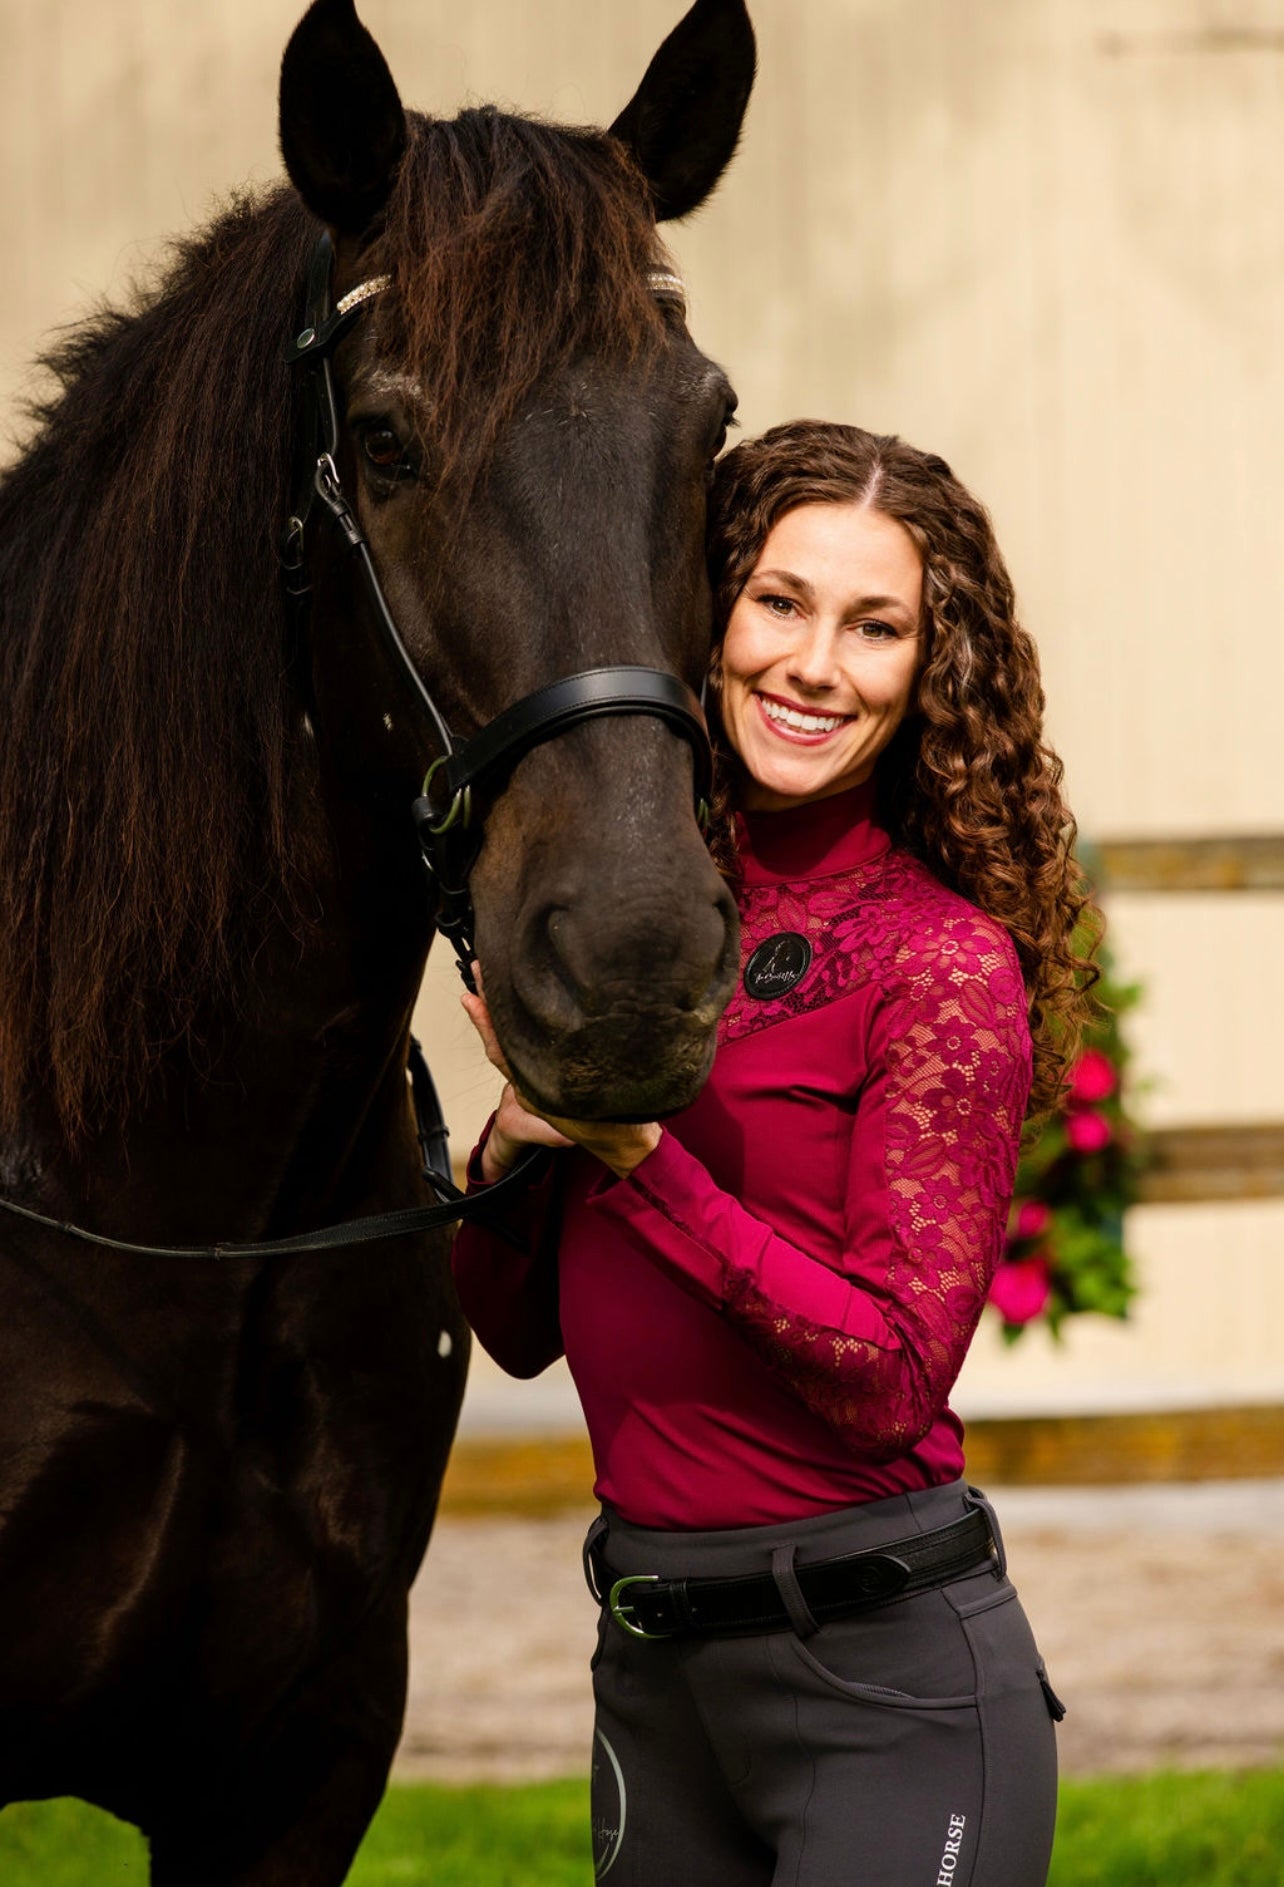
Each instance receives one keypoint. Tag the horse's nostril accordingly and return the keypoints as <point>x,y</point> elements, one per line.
<point>550,955</point>
<point>577,961</point>
<point>613,996</point>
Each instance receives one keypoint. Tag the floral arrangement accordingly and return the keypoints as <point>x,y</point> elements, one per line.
<point>1065,1250</point>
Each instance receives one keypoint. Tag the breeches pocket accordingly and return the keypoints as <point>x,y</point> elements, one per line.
<point>916,1655</point>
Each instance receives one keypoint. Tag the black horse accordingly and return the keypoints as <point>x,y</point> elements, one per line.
<point>217,1479</point>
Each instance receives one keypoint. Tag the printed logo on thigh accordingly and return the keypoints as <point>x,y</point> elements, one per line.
<point>609,1807</point>
<point>950,1856</point>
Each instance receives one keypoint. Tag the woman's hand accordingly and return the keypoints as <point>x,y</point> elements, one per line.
<point>517,1125</point>
<point>621,1145</point>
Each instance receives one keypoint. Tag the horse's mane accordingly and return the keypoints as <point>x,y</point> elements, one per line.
<point>151,725</point>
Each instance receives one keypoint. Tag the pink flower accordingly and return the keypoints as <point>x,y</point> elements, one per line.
<point>1020,1288</point>
<point>1087,1131</point>
<point>1032,1218</point>
<point>1093,1077</point>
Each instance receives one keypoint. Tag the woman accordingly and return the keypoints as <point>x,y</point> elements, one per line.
<point>812,1668</point>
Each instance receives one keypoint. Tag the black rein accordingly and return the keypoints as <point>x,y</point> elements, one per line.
<point>430,1129</point>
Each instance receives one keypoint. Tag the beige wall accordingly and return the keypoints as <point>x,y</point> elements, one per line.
<point>1045,237</point>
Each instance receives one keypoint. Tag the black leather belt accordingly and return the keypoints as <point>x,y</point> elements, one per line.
<point>647,1606</point>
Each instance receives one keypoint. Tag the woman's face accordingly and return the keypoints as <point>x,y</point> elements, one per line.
<point>821,653</point>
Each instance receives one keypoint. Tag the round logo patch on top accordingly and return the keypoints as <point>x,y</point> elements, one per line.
<point>777,965</point>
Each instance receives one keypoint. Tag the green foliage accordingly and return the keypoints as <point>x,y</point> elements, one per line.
<point>1065,1252</point>
<point>1211,1829</point>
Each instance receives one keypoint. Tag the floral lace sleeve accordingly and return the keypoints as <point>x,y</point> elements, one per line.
<point>874,1347</point>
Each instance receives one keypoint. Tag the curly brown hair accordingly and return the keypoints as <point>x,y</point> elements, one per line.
<point>968,783</point>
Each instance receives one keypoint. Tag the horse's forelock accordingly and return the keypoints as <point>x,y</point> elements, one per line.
<point>513,246</point>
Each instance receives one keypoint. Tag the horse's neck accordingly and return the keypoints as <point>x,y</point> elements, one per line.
<point>293,1109</point>
<point>309,1119</point>
<point>296,1110</point>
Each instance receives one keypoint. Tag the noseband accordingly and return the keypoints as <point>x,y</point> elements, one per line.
<point>448,814</point>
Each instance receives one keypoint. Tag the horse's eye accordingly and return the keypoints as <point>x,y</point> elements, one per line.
<point>728,421</point>
<point>383,448</point>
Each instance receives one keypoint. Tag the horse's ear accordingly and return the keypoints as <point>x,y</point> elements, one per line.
<point>343,129</point>
<point>683,122</point>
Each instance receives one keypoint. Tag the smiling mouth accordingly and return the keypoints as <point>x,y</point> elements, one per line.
<point>788,719</point>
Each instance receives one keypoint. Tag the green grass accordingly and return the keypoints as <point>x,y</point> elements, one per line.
<point>1212,1829</point>
<point>1166,1830</point>
<point>480,1837</point>
<point>66,1844</point>
<point>531,1837</point>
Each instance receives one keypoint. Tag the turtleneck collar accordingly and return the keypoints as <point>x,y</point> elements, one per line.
<point>815,840</point>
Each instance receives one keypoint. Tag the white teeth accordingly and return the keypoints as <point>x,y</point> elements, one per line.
<point>803,723</point>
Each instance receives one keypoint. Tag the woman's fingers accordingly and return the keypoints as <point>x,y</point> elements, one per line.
<point>522,1124</point>
<point>619,1145</point>
<point>479,1015</point>
<point>515,1126</point>
<point>518,1125</point>
<point>513,1130</point>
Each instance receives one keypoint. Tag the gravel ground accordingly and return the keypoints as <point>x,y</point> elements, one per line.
<point>1160,1612</point>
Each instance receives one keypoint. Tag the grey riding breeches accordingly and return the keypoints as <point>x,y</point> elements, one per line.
<point>910,1745</point>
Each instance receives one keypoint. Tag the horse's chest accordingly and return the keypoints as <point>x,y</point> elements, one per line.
<point>221,1485</point>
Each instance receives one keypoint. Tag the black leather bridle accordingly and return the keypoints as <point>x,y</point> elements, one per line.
<point>448,814</point>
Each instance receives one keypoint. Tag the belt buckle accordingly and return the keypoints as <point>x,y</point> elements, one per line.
<point>617,1607</point>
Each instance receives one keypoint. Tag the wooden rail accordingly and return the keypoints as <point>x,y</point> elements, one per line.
<point>1194,1165</point>
<point>1233,1443</point>
<point>547,1474</point>
<point>1251,863</point>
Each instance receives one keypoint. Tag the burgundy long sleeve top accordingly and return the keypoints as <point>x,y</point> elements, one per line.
<point>764,1320</point>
